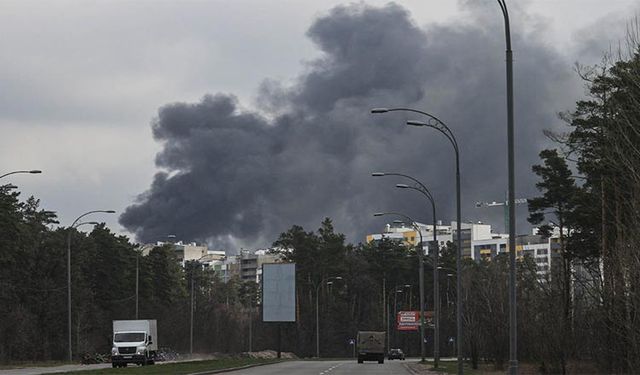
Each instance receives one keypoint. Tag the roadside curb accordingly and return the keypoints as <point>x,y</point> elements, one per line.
<point>420,371</point>
<point>234,368</point>
<point>410,369</point>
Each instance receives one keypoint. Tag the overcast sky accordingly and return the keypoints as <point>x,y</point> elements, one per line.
<point>82,82</point>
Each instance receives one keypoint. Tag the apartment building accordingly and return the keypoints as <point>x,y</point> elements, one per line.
<point>478,241</point>
<point>410,235</point>
<point>247,265</point>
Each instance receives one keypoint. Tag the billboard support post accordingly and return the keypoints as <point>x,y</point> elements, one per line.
<point>279,340</point>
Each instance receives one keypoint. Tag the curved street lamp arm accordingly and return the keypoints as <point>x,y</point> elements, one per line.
<point>507,29</point>
<point>433,205</point>
<point>412,179</point>
<point>73,225</point>
<point>413,223</point>
<point>426,193</point>
<point>447,133</point>
<point>433,122</point>
<point>325,280</point>
<point>14,172</point>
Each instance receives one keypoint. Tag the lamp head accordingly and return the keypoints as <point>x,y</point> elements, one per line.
<point>110,212</point>
<point>377,174</point>
<point>379,214</point>
<point>34,171</point>
<point>416,123</point>
<point>338,278</point>
<point>380,110</point>
<point>402,186</point>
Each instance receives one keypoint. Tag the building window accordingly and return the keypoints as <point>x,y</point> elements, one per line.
<point>542,251</point>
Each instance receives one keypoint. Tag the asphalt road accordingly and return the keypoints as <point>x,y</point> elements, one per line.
<point>52,370</point>
<point>346,367</point>
<point>343,367</point>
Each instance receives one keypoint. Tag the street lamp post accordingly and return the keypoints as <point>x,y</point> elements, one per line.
<point>436,289</point>
<point>250,328</point>
<point>435,253</point>
<point>139,251</point>
<point>513,333</point>
<point>137,279</point>
<point>194,265</point>
<point>74,225</point>
<point>325,280</point>
<point>420,252</point>
<point>437,124</point>
<point>449,275</point>
<point>191,320</point>
<point>33,171</point>
<point>395,314</point>
<point>410,287</point>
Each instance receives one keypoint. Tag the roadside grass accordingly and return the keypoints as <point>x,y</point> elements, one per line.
<point>451,367</point>
<point>16,365</point>
<point>524,368</point>
<point>180,368</point>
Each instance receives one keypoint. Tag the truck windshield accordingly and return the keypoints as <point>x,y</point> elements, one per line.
<point>129,337</point>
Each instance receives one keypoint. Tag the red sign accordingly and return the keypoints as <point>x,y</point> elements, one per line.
<point>410,320</point>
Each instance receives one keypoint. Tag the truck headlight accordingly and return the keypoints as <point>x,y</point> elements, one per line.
<point>140,349</point>
<point>114,351</point>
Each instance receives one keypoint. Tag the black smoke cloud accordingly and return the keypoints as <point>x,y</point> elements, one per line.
<point>231,174</point>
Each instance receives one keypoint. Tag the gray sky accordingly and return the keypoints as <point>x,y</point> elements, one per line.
<point>82,81</point>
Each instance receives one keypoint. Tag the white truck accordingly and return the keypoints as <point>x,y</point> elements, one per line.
<point>134,341</point>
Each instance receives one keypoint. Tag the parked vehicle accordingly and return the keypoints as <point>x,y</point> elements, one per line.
<point>371,346</point>
<point>134,341</point>
<point>395,354</point>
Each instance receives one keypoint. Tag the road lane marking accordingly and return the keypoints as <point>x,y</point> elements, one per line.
<point>330,369</point>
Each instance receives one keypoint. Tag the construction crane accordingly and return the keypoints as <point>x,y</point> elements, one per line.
<point>505,204</point>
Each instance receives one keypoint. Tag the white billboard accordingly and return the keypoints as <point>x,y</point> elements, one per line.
<point>279,292</point>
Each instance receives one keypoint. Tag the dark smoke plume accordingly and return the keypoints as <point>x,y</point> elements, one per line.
<point>246,176</point>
